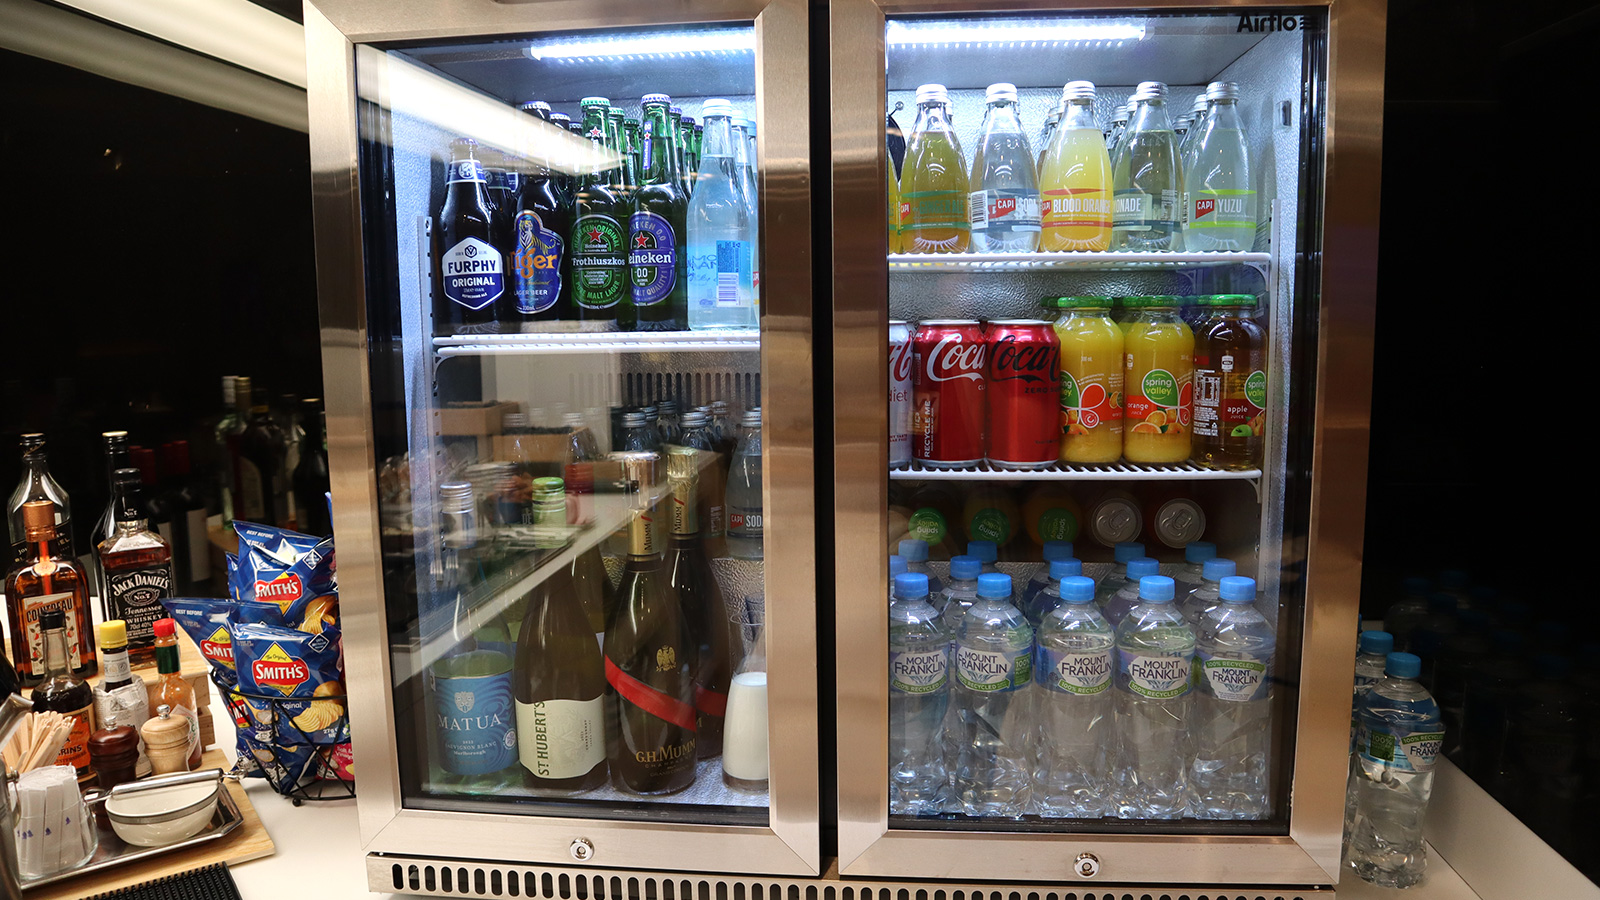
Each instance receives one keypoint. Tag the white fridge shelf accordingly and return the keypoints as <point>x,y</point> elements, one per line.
<point>1121,471</point>
<point>604,342</point>
<point>1082,261</point>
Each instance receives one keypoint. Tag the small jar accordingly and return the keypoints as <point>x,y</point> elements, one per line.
<point>114,752</point>
<point>166,741</point>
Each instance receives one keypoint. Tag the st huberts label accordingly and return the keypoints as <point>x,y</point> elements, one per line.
<point>918,671</point>
<point>537,283</point>
<point>472,273</point>
<point>993,670</point>
<point>1236,680</point>
<point>561,738</point>
<point>1156,677</point>
<point>1071,672</point>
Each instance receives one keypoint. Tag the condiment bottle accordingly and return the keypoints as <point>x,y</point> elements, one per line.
<point>172,690</point>
<point>115,754</point>
<point>166,741</point>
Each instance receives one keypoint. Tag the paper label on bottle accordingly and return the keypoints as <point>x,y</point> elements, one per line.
<point>199,546</point>
<point>1231,401</point>
<point>599,262</point>
<point>652,258</point>
<point>1159,401</point>
<point>561,738</point>
<point>993,670</point>
<point>1130,209</point>
<point>733,263</point>
<point>1077,208</point>
<point>75,751</point>
<point>466,170</point>
<point>135,597</point>
<point>1411,752</point>
<point>475,722</point>
<point>918,671</point>
<point>473,273</point>
<point>1090,401</point>
<point>1222,209</point>
<point>32,609</point>
<point>1004,210</point>
<point>1236,680</point>
<point>536,282</point>
<point>1156,677</point>
<point>1070,672</point>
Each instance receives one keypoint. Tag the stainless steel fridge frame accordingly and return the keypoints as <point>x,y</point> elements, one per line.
<point>1309,854</point>
<point>790,842</point>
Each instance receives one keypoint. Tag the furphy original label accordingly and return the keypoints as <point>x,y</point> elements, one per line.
<point>135,597</point>
<point>652,258</point>
<point>473,273</point>
<point>561,738</point>
<point>537,280</point>
<point>467,170</point>
<point>599,262</point>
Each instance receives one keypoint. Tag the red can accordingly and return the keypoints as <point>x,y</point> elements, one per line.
<point>1023,372</point>
<point>947,387</point>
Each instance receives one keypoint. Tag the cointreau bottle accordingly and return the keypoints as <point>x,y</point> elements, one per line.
<point>46,581</point>
<point>137,563</point>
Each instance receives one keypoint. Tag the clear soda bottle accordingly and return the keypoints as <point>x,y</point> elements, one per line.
<point>1190,574</point>
<point>1233,707</point>
<point>915,551</point>
<point>1053,550</point>
<point>1117,129</point>
<point>990,715</point>
<point>1155,655</point>
<point>1208,594</point>
<point>960,590</point>
<point>744,154</point>
<point>933,181</point>
<point>1127,597</point>
<point>745,521</point>
<point>1072,666</point>
<point>1118,576</point>
<point>1075,178</point>
<point>1191,140</point>
<point>1004,204</point>
<point>1147,206</point>
<point>1220,206</point>
<point>1037,607</point>
<point>1396,748</point>
<point>919,693</point>
<point>720,288</point>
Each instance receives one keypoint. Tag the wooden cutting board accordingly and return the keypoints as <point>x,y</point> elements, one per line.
<point>249,841</point>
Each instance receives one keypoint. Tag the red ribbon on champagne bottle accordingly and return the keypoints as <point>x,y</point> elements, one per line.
<point>712,703</point>
<point>656,703</point>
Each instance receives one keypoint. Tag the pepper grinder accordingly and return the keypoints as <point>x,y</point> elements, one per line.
<point>166,741</point>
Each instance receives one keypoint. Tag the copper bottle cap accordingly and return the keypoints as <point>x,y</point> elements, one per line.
<point>39,520</point>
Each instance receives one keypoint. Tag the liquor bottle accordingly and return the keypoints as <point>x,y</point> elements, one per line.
<point>261,449</point>
<point>286,413</point>
<point>151,499</point>
<point>658,299</point>
<point>538,222</point>
<point>744,158</point>
<point>1220,205</point>
<point>1076,180</point>
<point>744,497</point>
<point>469,272</point>
<point>933,183</point>
<point>599,236</point>
<point>700,597</point>
<point>172,690</point>
<point>1004,204</point>
<point>43,582</point>
<point>719,247</point>
<point>648,660</point>
<point>560,684</point>
<point>38,484</point>
<point>1147,212</point>
<point>226,435</point>
<point>63,692</point>
<point>117,457</point>
<point>311,480</point>
<point>191,543</point>
<point>137,567</point>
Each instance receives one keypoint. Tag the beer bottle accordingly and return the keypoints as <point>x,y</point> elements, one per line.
<point>630,158</point>
<point>468,271</point>
<point>675,119</point>
<point>659,295</point>
<point>599,252</point>
<point>538,264</point>
<point>614,142</point>
<point>498,187</point>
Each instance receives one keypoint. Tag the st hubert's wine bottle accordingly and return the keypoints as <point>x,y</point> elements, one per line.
<point>560,686</point>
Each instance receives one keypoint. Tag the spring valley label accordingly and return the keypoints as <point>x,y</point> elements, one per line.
<point>472,272</point>
<point>1156,677</point>
<point>918,671</point>
<point>537,283</point>
<point>652,258</point>
<point>992,670</point>
<point>1235,679</point>
<point>1075,673</point>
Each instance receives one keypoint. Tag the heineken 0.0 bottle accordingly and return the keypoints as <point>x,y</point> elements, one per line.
<point>658,282</point>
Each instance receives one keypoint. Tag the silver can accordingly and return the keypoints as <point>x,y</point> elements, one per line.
<point>900,358</point>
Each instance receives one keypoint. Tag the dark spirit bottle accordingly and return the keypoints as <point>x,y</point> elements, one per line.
<point>137,563</point>
<point>65,693</point>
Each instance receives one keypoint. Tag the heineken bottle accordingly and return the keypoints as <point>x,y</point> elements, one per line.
<point>659,285</point>
<point>599,235</point>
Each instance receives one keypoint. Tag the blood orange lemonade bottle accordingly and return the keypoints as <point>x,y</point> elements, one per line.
<point>1159,372</point>
<point>1091,380</point>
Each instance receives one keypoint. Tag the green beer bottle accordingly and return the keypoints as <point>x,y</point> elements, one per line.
<point>599,236</point>
<point>659,284</point>
<point>631,171</point>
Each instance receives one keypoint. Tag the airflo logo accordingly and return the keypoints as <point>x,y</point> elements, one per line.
<point>1270,23</point>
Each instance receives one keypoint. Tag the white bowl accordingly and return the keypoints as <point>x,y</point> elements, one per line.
<point>164,815</point>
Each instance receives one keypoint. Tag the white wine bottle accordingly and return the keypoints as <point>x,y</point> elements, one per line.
<point>560,687</point>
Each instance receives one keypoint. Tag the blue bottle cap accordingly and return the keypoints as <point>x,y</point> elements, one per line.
<point>1054,550</point>
<point>914,550</point>
<point>1379,642</point>
<point>965,568</point>
<point>1199,551</point>
<point>1217,569</point>
<point>897,565</point>
<point>1077,589</point>
<point>1141,566</point>
<point>1238,589</point>
<point>1065,568</point>
<point>1402,665</point>
<point>1440,602</point>
<point>911,585</point>
<point>994,584</point>
<point>1416,586</point>
<point>985,551</point>
<point>1155,589</point>
<point>1128,550</point>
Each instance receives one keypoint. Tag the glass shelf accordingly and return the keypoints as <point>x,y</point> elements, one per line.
<point>606,342</point>
<point>1082,261</point>
<point>1121,471</point>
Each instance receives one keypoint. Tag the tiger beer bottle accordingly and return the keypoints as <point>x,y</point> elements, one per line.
<point>538,262</point>
<point>468,271</point>
<point>658,283</point>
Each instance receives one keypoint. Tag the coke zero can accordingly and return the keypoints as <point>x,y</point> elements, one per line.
<point>899,394</point>
<point>1024,386</point>
<point>947,387</point>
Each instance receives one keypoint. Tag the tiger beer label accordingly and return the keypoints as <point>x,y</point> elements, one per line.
<point>472,273</point>
<point>1156,677</point>
<point>1069,672</point>
<point>536,283</point>
<point>561,738</point>
<point>652,258</point>
<point>918,671</point>
<point>1235,680</point>
<point>599,262</point>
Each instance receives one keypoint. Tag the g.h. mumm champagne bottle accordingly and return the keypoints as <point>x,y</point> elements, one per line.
<point>700,598</point>
<point>560,686</point>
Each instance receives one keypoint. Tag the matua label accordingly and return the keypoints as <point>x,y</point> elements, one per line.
<point>473,273</point>
<point>652,258</point>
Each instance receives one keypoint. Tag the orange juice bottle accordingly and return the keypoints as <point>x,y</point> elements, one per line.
<point>933,189</point>
<point>1076,178</point>
<point>1159,373</point>
<point>1091,380</point>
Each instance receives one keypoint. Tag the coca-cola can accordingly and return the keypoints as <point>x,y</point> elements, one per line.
<point>1023,374</point>
<point>947,388</point>
<point>899,394</point>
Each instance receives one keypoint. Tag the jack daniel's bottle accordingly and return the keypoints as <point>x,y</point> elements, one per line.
<point>137,567</point>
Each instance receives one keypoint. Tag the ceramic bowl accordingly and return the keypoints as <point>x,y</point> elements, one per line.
<point>164,815</point>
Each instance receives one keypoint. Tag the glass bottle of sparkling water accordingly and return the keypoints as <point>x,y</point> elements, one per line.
<point>1117,605</point>
<point>990,716</point>
<point>1191,141</point>
<point>1396,747</point>
<point>1220,204</point>
<point>1147,184</point>
<point>1155,653</point>
<point>1072,666</point>
<point>720,288</point>
<point>1233,707</point>
<point>919,692</point>
<point>960,590</point>
<point>745,519</point>
<point>1004,203</point>
<point>1208,595</point>
<point>1047,598</point>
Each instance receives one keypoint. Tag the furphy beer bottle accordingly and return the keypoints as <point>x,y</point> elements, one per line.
<point>537,261</point>
<point>599,233</point>
<point>469,274</point>
<point>659,285</point>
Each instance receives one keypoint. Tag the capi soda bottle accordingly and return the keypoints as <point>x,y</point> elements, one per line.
<point>919,691</point>
<point>1004,203</point>
<point>1233,707</point>
<point>1396,748</point>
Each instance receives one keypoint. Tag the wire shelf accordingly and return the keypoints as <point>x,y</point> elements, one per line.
<point>1080,260</point>
<point>604,342</point>
<point>1120,471</point>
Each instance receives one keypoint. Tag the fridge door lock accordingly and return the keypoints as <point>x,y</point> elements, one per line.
<point>1087,865</point>
<point>581,849</point>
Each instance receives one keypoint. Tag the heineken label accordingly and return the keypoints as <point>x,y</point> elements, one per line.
<point>652,258</point>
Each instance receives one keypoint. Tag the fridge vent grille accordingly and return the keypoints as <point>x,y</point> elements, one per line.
<point>428,877</point>
<point>742,390</point>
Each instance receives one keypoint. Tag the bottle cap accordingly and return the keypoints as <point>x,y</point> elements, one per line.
<point>1000,90</point>
<point>165,628</point>
<point>52,618</point>
<point>1156,589</point>
<point>1150,90</point>
<point>928,92</point>
<point>994,584</point>
<point>914,550</point>
<point>751,418</point>
<point>655,100</point>
<point>1077,589</point>
<point>549,485</point>
<point>455,497</point>
<point>459,145</point>
<point>1120,115</point>
<point>739,121</point>
<point>634,419</point>
<point>985,551</point>
<point>667,408</point>
<point>1199,551</point>
<point>1238,589</point>
<point>716,107</point>
<point>1222,90</point>
<point>560,118</point>
<point>113,633</point>
<point>1217,569</point>
<point>1054,550</point>
<point>572,419</point>
<point>1246,300</point>
<point>1142,566</point>
<point>897,566</point>
<point>129,475</point>
<point>692,419</point>
<point>965,568</point>
<point>911,585</point>
<point>1076,303</point>
<point>675,110</point>
<point>1061,569</point>
<point>39,520</point>
<point>587,102</point>
<point>1379,642</point>
<point>1078,90</point>
<point>1128,550</point>
<point>1402,665</point>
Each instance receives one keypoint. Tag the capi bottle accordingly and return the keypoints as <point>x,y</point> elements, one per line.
<point>1230,384</point>
<point>1148,210</point>
<point>1004,206</point>
<point>933,181</point>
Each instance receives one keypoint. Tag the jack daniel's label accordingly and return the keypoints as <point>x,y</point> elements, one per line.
<point>135,597</point>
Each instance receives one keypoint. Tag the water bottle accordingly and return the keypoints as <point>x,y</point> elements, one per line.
<point>1395,752</point>
<point>919,692</point>
<point>990,715</point>
<point>915,552</point>
<point>960,591</point>
<point>1072,666</point>
<point>1004,203</point>
<point>1372,654</point>
<point>986,552</point>
<point>744,490</point>
<point>1463,653</point>
<point>1053,550</point>
<point>1049,598</point>
<point>1233,707</point>
<point>1427,639</point>
<point>897,566</point>
<point>1155,653</point>
<point>1117,605</point>
<point>1118,576</point>
<point>721,293</point>
<point>1208,595</point>
<point>1191,573</point>
<point>1405,614</point>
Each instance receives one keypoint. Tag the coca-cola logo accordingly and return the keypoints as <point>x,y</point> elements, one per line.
<point>953,359</point>
<point>1033,361</point>
<point>900,363</point>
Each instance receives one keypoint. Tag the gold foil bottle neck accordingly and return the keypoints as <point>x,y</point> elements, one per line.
<point>642,533</point>
<point>683,474</point>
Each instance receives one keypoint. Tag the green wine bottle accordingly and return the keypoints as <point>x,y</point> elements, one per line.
<point>560,686</point>
<point>656,232</point>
